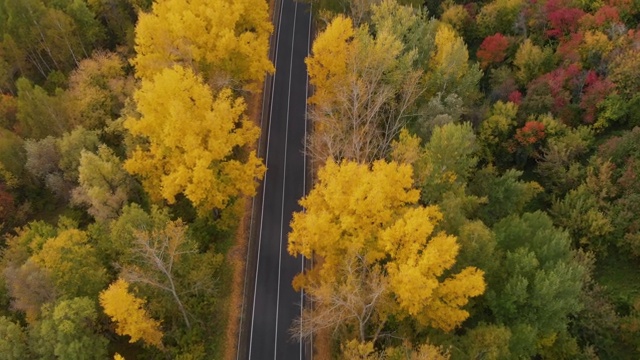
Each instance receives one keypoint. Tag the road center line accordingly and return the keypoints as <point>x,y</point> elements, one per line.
<point>284,177</point>
<point>264,186</point>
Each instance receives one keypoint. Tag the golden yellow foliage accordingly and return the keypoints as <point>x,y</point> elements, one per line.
<point>364,85</point>
<point>220,39</point>
<point>356,350</point>
<point>328,65</point>
<point>191,138</point>
<point>346,210</point>
<point>117,356</point>
<point>455,15</point>
<point>371,213</point>
<point>451,56</point>
<point>128,312</point>
<point>595,42</point>
<point>406,149</point>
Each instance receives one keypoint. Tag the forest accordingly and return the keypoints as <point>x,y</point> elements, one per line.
<point>125,162</point>
<point>476,166</point>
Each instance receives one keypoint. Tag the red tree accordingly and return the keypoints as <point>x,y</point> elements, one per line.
<point>528,139</point>
<point>493,49</point>
<point>596,89</point>
<point>568,47</point>
<point>562,20</point>
<point>515,97</point>
<point>530,133</point>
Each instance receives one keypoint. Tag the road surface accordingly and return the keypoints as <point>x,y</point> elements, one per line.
<point>272,304</point>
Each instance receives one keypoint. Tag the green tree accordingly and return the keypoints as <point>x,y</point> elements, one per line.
<point>499,16</point>
<point>8,110</point>
<point>104,185</point>
<point>583,215</point>
<point>53,36</point>
<point>487,341</point>
<point>119,18</point>
<point>13,340</point>
<point>165,261</point>
<point>536,284</point>
<point>12,157</point>
<point>559,166</point>
<point>68,330</point>
<point>497,129</point>
<point>447,161</point>
<point>506,194</point>
<point>39,114</point>
<point>56,160</point>
<point>72,263</point>
<point>70,147</point>
<point>121,233</point>
<point>531,61</point>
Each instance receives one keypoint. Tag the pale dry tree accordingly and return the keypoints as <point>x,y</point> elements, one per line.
<point>359,298</point>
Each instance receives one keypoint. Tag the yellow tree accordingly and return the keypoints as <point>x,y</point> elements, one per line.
<point>364,90</point>
<point>129,314</point>
<point>380,253</point>
<point>189,140</point>
<point>222,39</point>
<point>72,263</point>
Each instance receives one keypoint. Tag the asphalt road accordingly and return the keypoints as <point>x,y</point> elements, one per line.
<point>275,304</point>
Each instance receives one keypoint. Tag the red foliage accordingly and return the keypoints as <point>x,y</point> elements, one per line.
<point>530,133</point>
<point>515,97</point>
<point>560,82</point>
<point>568,47</point>
<point>604,17</point>
<point>572,85</point>
<point>607,15</point>
<point>591,78</point>
<point>563,20</point>
<point>609,147</point>
<point>472,9</point>
<point>493,49</point>
<point>629,178</point>
<point>624,6</point>
<point>596,90</point>
<point>528,138</point>
<point>633,37</point>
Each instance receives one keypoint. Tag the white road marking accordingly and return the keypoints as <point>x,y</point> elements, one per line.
<point>284,177</point>
<point>264,185</point>
<point>252,220</point>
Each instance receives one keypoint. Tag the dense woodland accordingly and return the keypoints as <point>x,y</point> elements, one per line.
<point>476,192</point>
<point>125,163</point>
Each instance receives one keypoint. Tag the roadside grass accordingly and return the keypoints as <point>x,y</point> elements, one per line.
<point>223,309</point>
<point>235,262</point>
<point>235,257</point>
